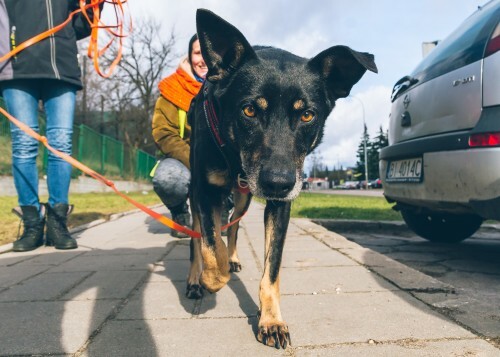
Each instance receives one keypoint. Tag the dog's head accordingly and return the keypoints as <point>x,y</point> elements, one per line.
<point>273,104</point>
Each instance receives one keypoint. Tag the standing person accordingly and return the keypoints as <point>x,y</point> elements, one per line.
<point>47,71</point>
<point>172,133</point>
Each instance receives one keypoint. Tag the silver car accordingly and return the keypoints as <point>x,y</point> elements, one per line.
<point>442,165</point>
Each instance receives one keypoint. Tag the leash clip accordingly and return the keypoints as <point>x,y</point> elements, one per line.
<point>242,182</point>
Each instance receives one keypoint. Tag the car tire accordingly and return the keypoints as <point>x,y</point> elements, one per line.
<point>442,227</point>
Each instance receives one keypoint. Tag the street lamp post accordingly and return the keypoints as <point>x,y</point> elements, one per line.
<point>364,138</point>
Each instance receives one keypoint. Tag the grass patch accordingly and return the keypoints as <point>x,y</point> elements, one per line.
<point>88,208</point>
<point>5,155</point>
<point>318,205</point>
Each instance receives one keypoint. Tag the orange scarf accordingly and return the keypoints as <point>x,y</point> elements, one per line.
<point>179,88</point>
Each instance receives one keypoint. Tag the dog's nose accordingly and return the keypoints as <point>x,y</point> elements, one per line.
<point>277,183</point>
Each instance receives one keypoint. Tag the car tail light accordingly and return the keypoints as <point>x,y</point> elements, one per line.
<point>484,140</point>
<point>494,42</point>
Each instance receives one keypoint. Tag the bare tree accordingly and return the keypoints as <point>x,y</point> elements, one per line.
<point>88,99</point>
<point>131,92</point>
<point>146,57</point>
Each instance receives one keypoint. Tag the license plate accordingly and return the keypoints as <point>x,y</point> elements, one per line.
<point>409,170</point>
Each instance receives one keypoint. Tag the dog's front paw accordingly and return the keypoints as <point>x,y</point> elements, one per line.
<point>274,334</point>
<point>213,279</point>
<point>234,267</point>
<point>194,291</point>
<point>215,272</point>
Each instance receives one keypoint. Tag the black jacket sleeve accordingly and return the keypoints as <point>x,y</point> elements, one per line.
<point>80,24</point>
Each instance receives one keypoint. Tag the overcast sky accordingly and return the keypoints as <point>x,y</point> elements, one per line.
<point>393,30</point>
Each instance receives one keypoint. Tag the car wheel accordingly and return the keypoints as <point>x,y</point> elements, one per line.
<point>442,227</point>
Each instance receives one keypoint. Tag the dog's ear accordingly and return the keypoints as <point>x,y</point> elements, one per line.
<point>342,67</point>
<point>223,46</point>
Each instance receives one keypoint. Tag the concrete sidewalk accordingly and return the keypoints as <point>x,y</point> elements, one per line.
<point>121,293</point>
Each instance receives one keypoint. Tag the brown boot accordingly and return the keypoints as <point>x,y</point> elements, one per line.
<point>181,216</point>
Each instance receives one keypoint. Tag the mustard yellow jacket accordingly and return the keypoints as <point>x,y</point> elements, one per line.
<point>167,131</point>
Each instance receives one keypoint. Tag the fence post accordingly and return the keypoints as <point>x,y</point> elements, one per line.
<point>137,162</point>
<point>103,152</point>
<point>80,143</point>
<point>122,159</point>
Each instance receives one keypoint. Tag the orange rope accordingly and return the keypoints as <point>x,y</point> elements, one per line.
<point>162,219</point>
<point>166,221</point>
<point>94,52</point>
<point>116,31</point>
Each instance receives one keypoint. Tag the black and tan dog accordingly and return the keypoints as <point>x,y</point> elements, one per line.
<point>258,115</point>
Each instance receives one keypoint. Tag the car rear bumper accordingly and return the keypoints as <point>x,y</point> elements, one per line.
<point>461,181</point>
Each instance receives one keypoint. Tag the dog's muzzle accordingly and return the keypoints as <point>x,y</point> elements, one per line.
<point>276,183</point>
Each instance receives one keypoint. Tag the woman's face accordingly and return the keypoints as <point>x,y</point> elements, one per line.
<point>197,62</point>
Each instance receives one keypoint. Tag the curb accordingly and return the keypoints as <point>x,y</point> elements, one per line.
<point>353,225</point>
<point>398,226</point>
<point>8,247</point>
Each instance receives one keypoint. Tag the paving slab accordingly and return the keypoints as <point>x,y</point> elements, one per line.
<point>326,318</point>
<point>13,275</point>
<point>51,327</point>
<point>407,278</point>
<point>44,287</point>
<point>184,337</point>
<point>238,299</point>
<point>345,279</point>
<point>307,258</point>
<point>106,285</point>
<point>118,259</point>
<point>158,300</point>
<point>44,256</point>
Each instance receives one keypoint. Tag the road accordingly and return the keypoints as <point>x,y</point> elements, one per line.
<point>471,269</point>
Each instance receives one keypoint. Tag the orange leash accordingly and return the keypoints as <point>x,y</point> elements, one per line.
<point>116,31</point>
<point>94,52</point>
<point>162,219</point>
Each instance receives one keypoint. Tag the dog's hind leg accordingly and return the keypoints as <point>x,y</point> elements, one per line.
<point>272,330</point>
<point>241,203</point>
<point>194,289</point>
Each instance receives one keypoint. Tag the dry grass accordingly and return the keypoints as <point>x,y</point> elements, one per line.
<point>88,208</point>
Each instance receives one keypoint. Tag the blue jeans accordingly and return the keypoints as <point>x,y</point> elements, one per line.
<point>21,99</point>
<point>171,183</point>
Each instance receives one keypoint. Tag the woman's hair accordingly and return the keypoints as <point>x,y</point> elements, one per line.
<point>190,48</point>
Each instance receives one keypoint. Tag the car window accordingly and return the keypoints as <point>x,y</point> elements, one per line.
<point>464,46</point>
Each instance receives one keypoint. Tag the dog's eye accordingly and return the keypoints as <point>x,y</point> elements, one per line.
<point>249,111</point>
<point>307,116</point>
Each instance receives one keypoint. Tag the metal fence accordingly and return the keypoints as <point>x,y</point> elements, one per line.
<point>101,153</point>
